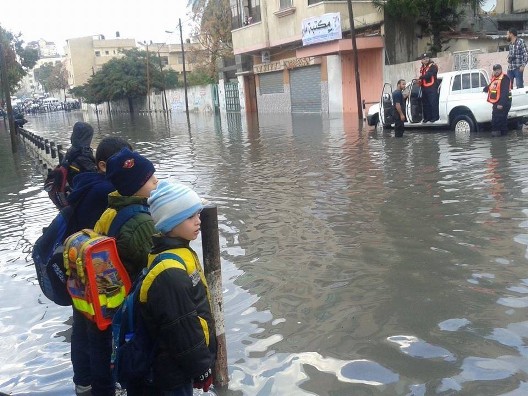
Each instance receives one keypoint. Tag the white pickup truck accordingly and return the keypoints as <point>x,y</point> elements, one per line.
<point>462,103</point>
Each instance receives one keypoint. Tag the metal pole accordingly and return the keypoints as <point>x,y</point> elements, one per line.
<point>148,80</point>
<point>213,275</point>
<point>96,110</point>
<point>162,79</point>
<point>7,94</point>
<point>184,73</point>
<point>356,63</point>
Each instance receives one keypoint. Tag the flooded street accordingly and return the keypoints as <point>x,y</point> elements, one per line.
<point>353,263</point>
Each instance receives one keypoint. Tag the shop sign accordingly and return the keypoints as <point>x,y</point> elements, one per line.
<point>326,27</point>
<point>282,64</point>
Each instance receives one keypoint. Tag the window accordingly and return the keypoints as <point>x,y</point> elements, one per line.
<point>107,52</point>
<point>179,58</point>
<point>245,12</point>
<point>97,53</point>
<point>285,4</point>
<point>311,2</point>
<point>469,81</point>
<point>164,60</point>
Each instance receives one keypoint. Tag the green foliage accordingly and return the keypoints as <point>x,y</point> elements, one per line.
<point>213,32</point>
<point>52,76</point>
<point>434,16</point>
<point>123,78</point>
<point>18,59</point>
<point>199,77</point>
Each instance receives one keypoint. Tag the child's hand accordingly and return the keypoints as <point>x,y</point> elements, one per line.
<point>204,381</point>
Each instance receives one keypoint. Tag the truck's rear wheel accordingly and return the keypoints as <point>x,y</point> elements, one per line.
<point>463,123</point>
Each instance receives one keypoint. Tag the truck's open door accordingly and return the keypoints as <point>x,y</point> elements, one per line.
<point>414,102</point>
<point>386,106</point>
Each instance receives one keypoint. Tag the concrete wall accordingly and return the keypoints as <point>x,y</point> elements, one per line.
<point>335,84</point>
<point>200,99</point>
<point>410,70</point>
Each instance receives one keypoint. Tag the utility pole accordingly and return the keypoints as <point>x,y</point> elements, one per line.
<point>148,79</point>
<point>7,94</point>
<point>96,109</point>
<point>184,72</point>
<point>164,97</point>
<point>356,63</point>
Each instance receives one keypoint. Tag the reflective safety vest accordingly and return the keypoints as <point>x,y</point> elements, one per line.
<point>423,70</point>
<point>494,89</point>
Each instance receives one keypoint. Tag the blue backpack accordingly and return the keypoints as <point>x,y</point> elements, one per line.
<point>48,260</point>
<point>132,348</point>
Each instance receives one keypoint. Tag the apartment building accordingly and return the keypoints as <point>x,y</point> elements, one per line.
<point>171,55</point>
<point>86,55</point>
<point>296,55</point>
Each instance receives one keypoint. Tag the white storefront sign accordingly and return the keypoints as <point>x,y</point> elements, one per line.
<point>326,27</point>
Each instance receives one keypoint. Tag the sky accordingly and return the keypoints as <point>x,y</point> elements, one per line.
<point>59,20</point>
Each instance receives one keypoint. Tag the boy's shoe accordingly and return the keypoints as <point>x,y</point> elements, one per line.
<point>81,390</point>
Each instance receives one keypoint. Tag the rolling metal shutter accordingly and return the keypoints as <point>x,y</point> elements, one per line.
<point>305,87</point>
<point>271,83</point>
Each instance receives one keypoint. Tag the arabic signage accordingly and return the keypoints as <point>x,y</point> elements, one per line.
<point>291,63</point>
<point>326,27</point>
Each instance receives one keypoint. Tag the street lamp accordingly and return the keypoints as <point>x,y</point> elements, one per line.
<point>183,61</point>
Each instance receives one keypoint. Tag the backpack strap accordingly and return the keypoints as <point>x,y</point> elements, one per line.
<point>166,256</point>
<point>131,299</point>
<point>125,214</point>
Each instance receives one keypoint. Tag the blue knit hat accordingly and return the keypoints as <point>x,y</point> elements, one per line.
<point>128,171</point>
<point>171,204</point>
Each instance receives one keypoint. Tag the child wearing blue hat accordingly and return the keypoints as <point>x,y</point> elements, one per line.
<point>174,298</point>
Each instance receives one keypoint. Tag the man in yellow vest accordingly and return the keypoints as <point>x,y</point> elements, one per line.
<point>499,95</point>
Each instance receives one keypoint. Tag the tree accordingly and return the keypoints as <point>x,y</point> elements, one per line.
<point>19,59</point>
<point>434,16</point>
<point>125,78</point>
<point>213,32</point>
<point>52,76</point>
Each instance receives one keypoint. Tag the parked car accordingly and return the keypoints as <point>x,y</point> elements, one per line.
<point>462,103</point>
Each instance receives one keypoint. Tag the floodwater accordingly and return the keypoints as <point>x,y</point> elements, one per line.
<point>354,263</point>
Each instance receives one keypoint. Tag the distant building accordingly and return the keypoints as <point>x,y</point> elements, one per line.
<point>86,55</point>
<point>46,49</point>
<point>171,55</point>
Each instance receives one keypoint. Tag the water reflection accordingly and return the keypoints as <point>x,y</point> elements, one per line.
<point>354,263</point>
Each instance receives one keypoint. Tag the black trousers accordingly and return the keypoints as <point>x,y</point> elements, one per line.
<point>399,128</point>
<point>499,119</point>
<point>430,103</point>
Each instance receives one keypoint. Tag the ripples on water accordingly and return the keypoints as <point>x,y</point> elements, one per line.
<point>353,263</point>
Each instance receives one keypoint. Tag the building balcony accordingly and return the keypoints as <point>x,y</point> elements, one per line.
<point>283,26</point>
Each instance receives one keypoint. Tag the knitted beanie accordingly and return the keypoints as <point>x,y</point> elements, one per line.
<point>171,204</point>
<point>128,171</point>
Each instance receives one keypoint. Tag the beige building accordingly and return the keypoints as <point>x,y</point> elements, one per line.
<point>292,53</point>
<point>86,55</point>
<point>171,55</point>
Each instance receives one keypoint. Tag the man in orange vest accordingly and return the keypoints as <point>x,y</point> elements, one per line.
<point>429,83</point>
<point>499,95</point>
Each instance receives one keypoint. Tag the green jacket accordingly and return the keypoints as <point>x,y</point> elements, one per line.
<point>134,239</point>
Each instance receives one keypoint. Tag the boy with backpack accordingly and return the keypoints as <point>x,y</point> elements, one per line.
<point>174,299</point>
<point>79,158</point>
<point>132,175</point>
<point>87,202</point>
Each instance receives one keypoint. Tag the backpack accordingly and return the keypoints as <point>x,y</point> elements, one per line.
<point>97,281</point>
<point>132,347</point>
<point>59,180</point>
<point>57,187</point>
<point>48,260</point>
